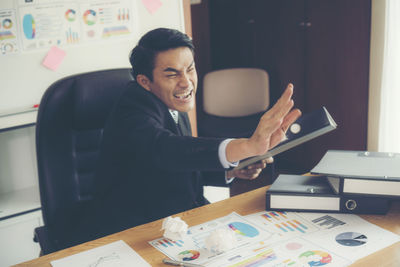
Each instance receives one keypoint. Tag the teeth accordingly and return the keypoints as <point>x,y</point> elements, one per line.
<point>184,95</point>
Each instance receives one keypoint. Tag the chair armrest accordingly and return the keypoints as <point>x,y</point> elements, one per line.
<point>43,237</point>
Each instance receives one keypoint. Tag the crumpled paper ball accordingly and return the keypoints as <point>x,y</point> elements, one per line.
<point>174,228</point>
<point>221,240</point>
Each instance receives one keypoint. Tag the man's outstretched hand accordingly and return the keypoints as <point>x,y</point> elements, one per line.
<point>270,130</point>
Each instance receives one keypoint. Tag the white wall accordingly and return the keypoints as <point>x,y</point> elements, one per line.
<point>17,147</point>
<point>24,79</point>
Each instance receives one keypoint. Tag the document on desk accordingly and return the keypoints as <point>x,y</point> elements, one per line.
<point>346,236</point>
<point>273,238</point>
<point>114,254</point>
<point>192,248</point>
<point>256,245</point>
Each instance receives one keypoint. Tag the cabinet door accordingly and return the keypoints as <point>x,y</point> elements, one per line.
<point>337,71</point>
<point>16,238</point>
<point>264,34</point>
<point>334,63</point>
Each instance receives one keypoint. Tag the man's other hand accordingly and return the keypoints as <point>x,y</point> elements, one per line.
<point>250,172</point>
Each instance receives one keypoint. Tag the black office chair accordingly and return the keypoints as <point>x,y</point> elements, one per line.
<point>70,122</point>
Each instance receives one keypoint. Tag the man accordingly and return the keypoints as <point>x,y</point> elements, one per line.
<point>150,166</point>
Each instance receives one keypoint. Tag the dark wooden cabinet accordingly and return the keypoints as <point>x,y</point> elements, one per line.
<point>321,46</point>
<point>336,72</point>
<point>335,62</point>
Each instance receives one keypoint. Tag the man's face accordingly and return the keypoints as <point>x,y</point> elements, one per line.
<point>175,79</point>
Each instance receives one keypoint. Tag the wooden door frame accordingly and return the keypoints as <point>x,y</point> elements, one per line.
<point>188,29</point>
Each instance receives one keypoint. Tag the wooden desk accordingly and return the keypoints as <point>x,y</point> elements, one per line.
<point>247,203</point>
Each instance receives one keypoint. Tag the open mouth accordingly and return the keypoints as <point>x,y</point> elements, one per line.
<point>184,95</point>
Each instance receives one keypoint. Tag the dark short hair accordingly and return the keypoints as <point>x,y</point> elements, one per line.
<point>143,55</point>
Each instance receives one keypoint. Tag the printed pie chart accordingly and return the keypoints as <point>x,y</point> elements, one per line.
<point>243,229</point>
<point>7,23</point>
<point>28,24</point>
<point>70,15</point>
<point>7,48</point>
<point>351,239</point>
<point>189,255</point>
<point>315,258</point>
<point>89,17</point>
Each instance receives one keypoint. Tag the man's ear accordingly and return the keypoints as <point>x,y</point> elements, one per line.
<point>143,81</point>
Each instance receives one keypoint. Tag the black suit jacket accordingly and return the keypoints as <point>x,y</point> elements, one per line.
<point>149,168</point>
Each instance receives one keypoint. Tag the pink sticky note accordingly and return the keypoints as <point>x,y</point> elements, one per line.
<point>152,5</point>
<point>54,58</point>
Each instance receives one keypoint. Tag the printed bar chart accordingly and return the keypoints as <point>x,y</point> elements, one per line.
<point>328,221</point>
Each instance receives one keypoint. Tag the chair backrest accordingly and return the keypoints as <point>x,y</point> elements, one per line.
<point>235,92</point>
<point>69,130</point>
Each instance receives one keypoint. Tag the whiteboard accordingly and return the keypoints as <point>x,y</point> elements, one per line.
<point>23,78</point>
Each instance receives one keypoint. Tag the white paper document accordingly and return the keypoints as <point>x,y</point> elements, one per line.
<point>272,238</point>
<point>349,235</point>
<point>192,248</point>
<point>114,254</point>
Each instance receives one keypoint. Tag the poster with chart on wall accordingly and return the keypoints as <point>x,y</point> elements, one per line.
<point>107,20</point>
<point>46,23</point>
<point>9,43</point>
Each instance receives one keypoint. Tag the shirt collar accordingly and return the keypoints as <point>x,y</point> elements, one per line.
<point>174,115</point>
